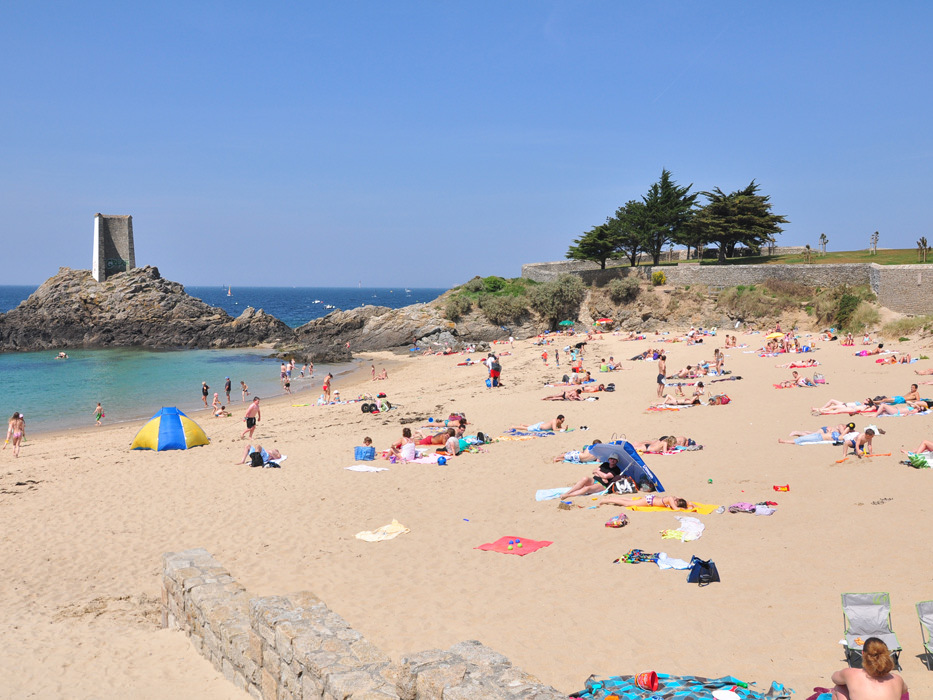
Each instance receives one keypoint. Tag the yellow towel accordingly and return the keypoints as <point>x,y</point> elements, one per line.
<point>702,508</point>
<point>386,532</point>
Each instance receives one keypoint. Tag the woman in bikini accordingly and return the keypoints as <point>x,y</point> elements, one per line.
<point>651,499</point>
<point>833,406</point>
<point>16,432</point>
<point>659,446</point>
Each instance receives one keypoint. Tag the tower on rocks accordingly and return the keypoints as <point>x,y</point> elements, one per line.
<point>113,245</point>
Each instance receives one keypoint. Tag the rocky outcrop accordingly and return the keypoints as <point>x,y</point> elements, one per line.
<point>380,328</point>
<point>133,308</point>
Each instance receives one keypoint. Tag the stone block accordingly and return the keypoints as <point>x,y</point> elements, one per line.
<point>270,660</point>
<point>288,682</point>
<point>228,669</point>
<point>255,692</point>
<point>254,648</point>
<point>475,652</point>
<point>359,685</point>
<point>312,687</point>
<point>269,685</point>
<point>240,681</point>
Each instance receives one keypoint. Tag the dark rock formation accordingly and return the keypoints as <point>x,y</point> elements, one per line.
<point>380,328</point>
<point>133,308</point>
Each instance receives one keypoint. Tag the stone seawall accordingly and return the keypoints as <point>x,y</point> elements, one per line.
<point>295,648</point>
<point>906,289</point>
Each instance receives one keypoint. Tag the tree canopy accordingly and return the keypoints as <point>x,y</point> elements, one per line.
<point>668,208</point>
<point>743,216</point>
<point>598,244</point>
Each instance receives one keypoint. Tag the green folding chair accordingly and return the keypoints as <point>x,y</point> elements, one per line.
<point>868,615</point>
<point>925,613</point>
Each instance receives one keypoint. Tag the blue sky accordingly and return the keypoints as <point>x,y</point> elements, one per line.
<point>419,144</point>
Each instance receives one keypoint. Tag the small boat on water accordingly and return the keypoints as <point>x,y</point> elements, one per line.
<point>229,292</point>
<point>329,306</point>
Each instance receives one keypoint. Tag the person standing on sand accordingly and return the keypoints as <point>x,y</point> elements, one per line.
<point>98,413</point>
<point>326,387</point>
<point>205,389</point>
<point>227,389</point>
<point>373,369</point>
<point>215,404</point>
<point>253,416</point>
<point>244,389</point>
<point>15,432</point>
<point>662,371</point>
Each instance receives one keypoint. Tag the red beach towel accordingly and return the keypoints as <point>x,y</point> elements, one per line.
<point>502,545</point>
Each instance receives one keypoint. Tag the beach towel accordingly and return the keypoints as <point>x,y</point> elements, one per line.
<point>666,562</point>
<point>550,494</point>
<point>702,508</point>
<point>679,687</point>
<point>366,468</point>
<point>690,529</point>
<point>502,545</point>
<point>386,532</point>
<point>275,463</point>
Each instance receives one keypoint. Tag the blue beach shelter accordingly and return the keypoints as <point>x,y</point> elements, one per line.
<point>630,462</point>
<point>169,429</point>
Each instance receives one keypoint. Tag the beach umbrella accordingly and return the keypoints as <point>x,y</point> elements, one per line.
<point>774,335</point>
<point>630,462</point>
<point>169,429</point>
<point>565,323</point>
<point>605,320</point>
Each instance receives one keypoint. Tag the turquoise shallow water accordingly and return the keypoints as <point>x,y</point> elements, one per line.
<point>134,383</point>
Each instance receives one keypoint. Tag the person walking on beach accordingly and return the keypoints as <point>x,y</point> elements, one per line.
<point>215,404</point>
<point>227,389</point>
<point>15,432</point>
<point>98,413</point>
<point>253,416</point>
<point>205,389</point>
<point>244,389</point>
<point>662,371</point>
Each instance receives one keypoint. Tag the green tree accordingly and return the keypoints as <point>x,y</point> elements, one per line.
<point>598,244</point>
<point>668,209</point>
<point>743,216</point>
<point>558,299</point>
<point>629,226</point>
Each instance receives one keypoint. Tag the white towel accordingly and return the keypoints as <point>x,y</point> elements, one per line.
<point>366,468</point>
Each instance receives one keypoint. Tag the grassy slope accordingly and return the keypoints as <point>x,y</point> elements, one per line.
<point>904,256</point>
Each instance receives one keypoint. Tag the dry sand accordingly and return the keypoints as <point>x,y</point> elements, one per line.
<point>85,521</point>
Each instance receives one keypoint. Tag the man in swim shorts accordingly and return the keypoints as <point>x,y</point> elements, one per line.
<point>253,416</point>
<point>662,371</point>
<point>546,426</point>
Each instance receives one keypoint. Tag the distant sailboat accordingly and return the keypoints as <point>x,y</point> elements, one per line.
<point>229,292</point>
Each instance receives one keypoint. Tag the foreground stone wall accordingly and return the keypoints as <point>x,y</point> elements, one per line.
<point>295,648</point>
<point>731,275</point>
<point>907,289</point>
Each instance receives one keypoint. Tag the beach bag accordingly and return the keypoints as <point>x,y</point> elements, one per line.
<point>918,462</point>
<point>610,387</point>
<point>818,378</point>
<point>620,520</point>
<point>702,572</point>
<point>625,484</point>
<point>364,454</point>
<point>255,459</point>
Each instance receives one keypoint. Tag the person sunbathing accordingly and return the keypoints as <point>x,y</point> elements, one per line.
<point>887,409</point>
<point>605,474</point>
<point>924,371</point>
<point>877,351</point>
<point>651,499</point>
<point>659,446</point>
<point>259,456</point>
<point>799,364</point>
<point>565,396</point>
<point>833,407</point>
<point>580,456</point>
<point>556,424</point>
<point>824,434</point>
<point>912,395</point>
<point>437,439</point>
<point>593,389</point>
<point>925,446</point>
<point>675,401</point>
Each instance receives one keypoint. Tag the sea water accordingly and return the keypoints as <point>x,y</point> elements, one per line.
<point>133,383</point>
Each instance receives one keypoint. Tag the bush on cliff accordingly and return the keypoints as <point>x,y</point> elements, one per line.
<point>501,310</point>
<point>907,326</point>
<point>865,317</point>
<point>558,299</point>
<point>456,306</point>
<point>624,291</point>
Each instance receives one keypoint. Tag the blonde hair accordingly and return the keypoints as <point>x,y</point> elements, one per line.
<point>876,659</point>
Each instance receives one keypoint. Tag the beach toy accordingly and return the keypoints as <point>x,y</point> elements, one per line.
<point>785,487</point>
<point>709,481</point>
<point>647,680</point>
<point>519,545</point>
<point>511,548</point>
<point>442,460</point>
<point>430,420</point>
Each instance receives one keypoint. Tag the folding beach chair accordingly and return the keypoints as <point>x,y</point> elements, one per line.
<point>868,615</point>
<point>925,613</point>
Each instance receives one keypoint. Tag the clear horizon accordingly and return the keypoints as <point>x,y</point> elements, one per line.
<point>321,144</point>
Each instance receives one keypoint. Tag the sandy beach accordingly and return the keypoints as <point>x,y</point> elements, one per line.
<point>85,522</point>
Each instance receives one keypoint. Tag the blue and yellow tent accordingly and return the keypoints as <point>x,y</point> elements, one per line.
<point>169,429</point>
